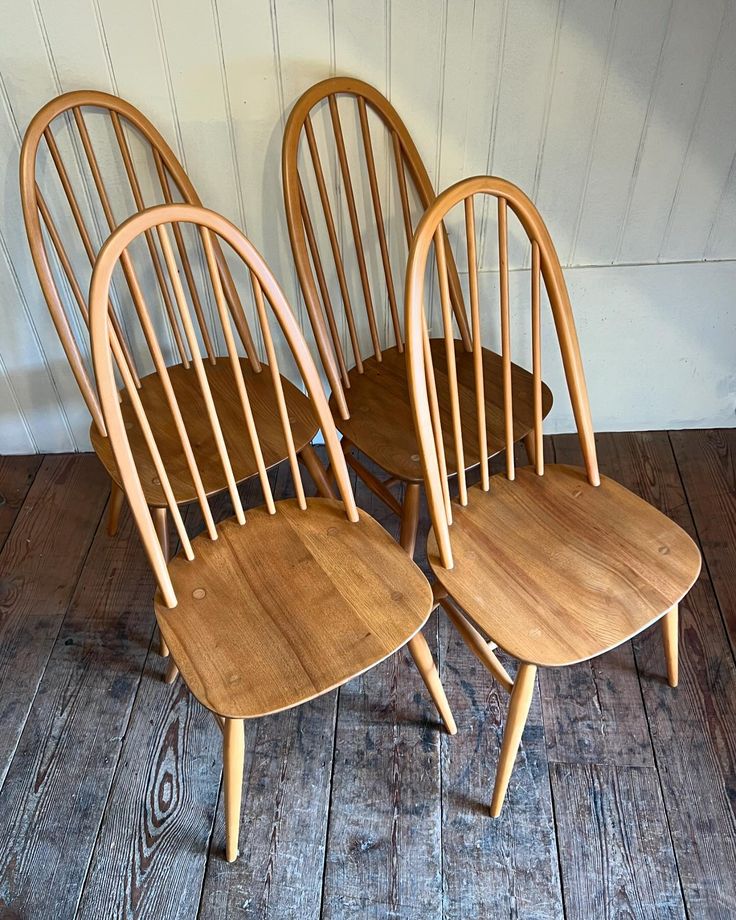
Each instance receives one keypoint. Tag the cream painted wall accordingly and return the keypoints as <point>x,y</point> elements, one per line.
<point>617,118</point>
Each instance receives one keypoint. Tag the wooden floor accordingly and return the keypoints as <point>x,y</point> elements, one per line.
<point>357,805</point>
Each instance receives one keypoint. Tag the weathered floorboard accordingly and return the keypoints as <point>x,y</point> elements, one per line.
<point>615,847</point>
<point>39,568</point>
<point>161,808</point>
<point>707,464</point>
<point>284,813</point>
<point>16,477</point>
<point>383,855</point>
<point>112,793</point>
<point>507,866</point>
<point>693,728</point>
<point>57,785</point>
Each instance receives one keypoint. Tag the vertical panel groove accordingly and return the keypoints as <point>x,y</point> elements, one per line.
<point>643,136</point>
<point>693,131</point>
<point>501,50</point>
<point>612,30</point>
<point>719,209</point>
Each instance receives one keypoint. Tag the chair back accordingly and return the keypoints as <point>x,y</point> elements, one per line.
<point>427,392</point>
<point>107,354</point>
<point>69,149</point>
<point>315,238</point>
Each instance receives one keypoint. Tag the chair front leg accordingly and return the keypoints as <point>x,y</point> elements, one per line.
<point>670,629</point>
<point>311,461</point>
<point>521,698</point>
<point>161,523</point>
<point>233,758</point>
<point>410,517</point>
<point>418,647</point>
<point>530,447</point>
<point>116,506</point>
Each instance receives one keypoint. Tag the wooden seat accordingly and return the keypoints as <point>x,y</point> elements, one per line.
<point>381,424</point>
<point>263,399</point>
<point>271,608</point>
<point>554,564</point>
<point>85,122</point>
<point>288,607</point>
<point>559,571</point>
<point>360,313</point>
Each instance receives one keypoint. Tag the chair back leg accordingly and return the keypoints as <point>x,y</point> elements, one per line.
<point>521,697</point>
<point>233,744</point>
<point>670,640</point>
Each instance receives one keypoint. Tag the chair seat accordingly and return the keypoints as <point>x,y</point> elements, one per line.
<point>556,571</point>
<point>289,606</point>
<point>263,402</point>
<point>381,423</point>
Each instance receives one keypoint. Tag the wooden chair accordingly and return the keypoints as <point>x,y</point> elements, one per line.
<point>264,614</point>
<point>63,124</point>
<point>555,564</point>
<point>370,400</point>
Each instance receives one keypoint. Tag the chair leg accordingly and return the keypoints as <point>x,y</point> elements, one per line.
<point>233,747</point>
<point>425,665</point>
<point>315,469</point>
<point>410,517</point>
<point>418,645</point>
<point>161,523</point>
<point>116,506</point>
<point>521,697</point>
<point>530,446</point>
<point>670,630</point>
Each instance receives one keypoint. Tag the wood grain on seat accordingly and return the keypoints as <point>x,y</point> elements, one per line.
<point>288,606</point>
<point>557,571</point>
<point>381,423</point>
<point>262,398</point>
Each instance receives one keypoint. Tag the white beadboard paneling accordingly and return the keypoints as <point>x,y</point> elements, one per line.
<point>641,360</point>
<point>15,435</point>
<point>640,31</point>
<point>587,32</point>
<point>526,42</point>
<point>707,162</point>
<point>616,117</point>
<point>688,58</point>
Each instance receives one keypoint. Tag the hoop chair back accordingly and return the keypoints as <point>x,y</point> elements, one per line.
<point>314,263</point>
<point>211,228</point>
<point>135,138</point>
<point>546,269</point>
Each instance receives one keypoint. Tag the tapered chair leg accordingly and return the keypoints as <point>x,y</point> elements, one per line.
<point>410,517</point>
<point>233,746</point>
<point>315,469</point>
<point>670,628</point>
<point>418,645</point>
<point>530,447</point>
<point>422,656</point>
<point>521,697</point>
<point>161,523</point>
<point>116,506</point>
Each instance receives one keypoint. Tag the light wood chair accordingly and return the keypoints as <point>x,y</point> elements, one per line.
<point>370,399</point>
<point>264,614</point>
<point>62,125</point>
<point>554,564</point>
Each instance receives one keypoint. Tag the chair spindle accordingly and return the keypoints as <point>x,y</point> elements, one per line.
<point>480,398</point>
<point>452,381</point>
<point>378,213</point>
<point>354,223</point>
<point>508,402</point>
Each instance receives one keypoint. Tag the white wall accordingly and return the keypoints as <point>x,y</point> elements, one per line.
<point>617,118</point>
